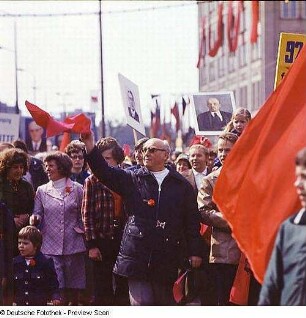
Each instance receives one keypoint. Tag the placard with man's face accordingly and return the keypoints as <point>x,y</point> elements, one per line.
<point>35,137</point>
<point>131,104</point>
<point>212,111</point>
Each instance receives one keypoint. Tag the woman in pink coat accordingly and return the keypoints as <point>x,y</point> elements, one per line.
<point>57,210</point>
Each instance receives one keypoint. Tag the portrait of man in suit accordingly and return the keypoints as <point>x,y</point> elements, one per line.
<point>36,141</point>
<point>131,106</point>
<point>214,119</point>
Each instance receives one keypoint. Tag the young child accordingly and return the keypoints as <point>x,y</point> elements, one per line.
<point>35,280</point>
<point>240,119</point>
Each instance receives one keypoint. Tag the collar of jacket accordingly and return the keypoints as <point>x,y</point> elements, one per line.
<point>20,259</point>
<point>53,192</point>
<point>300,217</point>
<point>143,171</point>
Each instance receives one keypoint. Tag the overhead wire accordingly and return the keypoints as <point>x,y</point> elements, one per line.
<point>39,15</point>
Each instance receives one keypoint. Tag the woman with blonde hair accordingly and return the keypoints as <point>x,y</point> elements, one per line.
<point>240,118</point>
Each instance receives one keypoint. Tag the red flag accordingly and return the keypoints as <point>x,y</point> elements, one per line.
<point>200,140</point>
<point>155,117</point>
<point>179,286</point>
<point>75,124</point>
<point>255,20</point>
<point>241,285</point>
<point>165,133</point>
<point>255,188</point>
<point>176,114</point>
<point>126,149</point>
<point>213,49</point>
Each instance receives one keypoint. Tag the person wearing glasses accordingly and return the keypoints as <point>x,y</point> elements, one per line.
<point>162,215</point>
<point>138,154</point>
<point>79,173</point>
<point>76,151</point>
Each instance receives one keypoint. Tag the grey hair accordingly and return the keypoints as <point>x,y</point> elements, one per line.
<point>167,146</point>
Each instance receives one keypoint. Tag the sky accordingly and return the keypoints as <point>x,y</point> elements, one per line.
<point>156,48</point>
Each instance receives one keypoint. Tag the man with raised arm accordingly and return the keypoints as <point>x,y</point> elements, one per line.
<point>162,214</point>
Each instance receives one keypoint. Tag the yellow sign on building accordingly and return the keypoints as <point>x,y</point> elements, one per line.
<point>290,45</point>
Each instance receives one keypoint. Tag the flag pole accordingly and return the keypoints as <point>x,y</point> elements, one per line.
<point>135,136</point>
<point>101,69</point>
<point>17,110</point>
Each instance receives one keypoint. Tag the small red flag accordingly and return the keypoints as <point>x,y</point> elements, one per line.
<point>74,124</point>
<point>255,189</point>
<point>175,112</point>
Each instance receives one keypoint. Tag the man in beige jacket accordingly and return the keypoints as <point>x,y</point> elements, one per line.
<point>224,253</point>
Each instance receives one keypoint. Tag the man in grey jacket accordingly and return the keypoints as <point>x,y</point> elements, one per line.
<point>284,282</point>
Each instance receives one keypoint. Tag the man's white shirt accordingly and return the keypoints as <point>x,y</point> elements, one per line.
<point>199,177</point>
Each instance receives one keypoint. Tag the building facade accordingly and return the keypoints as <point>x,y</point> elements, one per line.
<point>238,46</point>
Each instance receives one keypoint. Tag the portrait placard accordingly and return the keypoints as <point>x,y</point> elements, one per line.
<point>212,111</point>
<point>131,104</point>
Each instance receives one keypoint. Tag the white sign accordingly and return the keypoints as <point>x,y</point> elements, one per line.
<point>131,104</point>
<point>9,127</point>
<point>212,111</point>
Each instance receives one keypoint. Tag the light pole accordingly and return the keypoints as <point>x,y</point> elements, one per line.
<point>63,96</point>
<point>101,70</point>
<point>16,74</point>
<point>34,82</point>
<point>16,68</point>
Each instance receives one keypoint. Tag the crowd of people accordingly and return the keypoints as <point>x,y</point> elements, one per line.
<point>79,228</point>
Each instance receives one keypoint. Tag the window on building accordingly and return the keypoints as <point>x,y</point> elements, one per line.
<point>303,10</point>
<point>203,76</point>
<point>242,58</point>
<point>211,71</point>
<point>255,103</point>
<point>255,51</point>
<point>289,9</point>
<point>221,66</point>
<point>243,96</point>
<point>231,62</point>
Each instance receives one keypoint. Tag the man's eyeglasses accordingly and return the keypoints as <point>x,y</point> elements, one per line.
<point>151,149</point>
<point>80,157</point>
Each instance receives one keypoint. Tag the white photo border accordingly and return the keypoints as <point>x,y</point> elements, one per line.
<point>125,86</point>
<point>198,102</point>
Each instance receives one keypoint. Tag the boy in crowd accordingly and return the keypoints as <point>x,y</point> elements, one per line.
<point>35,279</point>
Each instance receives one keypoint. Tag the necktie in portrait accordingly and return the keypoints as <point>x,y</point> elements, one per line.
<point>216,121</point>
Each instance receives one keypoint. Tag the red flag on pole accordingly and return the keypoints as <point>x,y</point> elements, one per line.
<point>255,188</point>
<point>255,20</point>
<point>175,112</point>
<point>65,141</point>
<point>155,117</point>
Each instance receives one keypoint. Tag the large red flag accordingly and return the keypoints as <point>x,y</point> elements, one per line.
<point>74,124</point>
<point>255,189</point>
